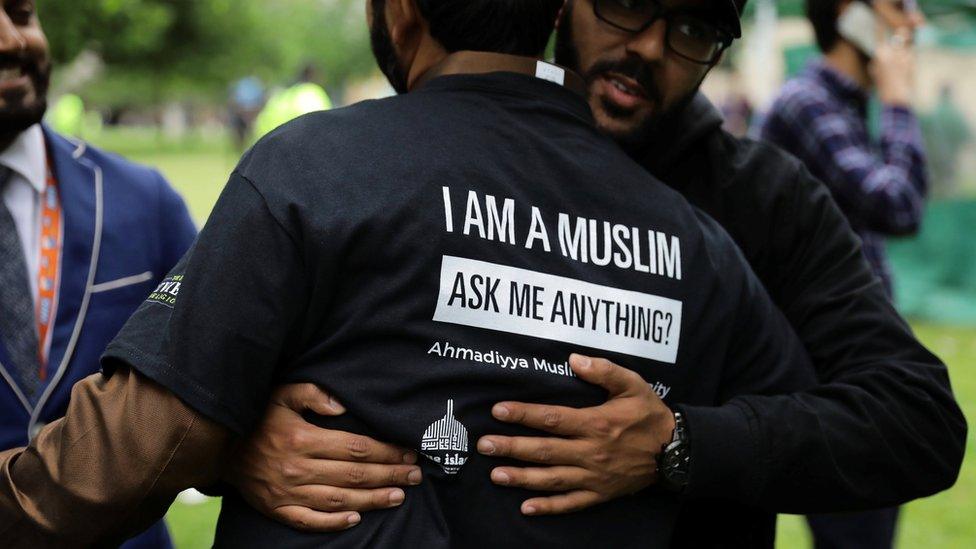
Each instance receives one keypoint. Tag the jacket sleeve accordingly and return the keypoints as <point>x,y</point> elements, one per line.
<point>764,357</point>
<point>882,428</point>
<point>110,468</point>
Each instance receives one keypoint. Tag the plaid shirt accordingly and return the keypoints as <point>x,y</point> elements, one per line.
<point>821,118</point>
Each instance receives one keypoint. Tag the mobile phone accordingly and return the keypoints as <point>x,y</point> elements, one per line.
<point>859,26</point>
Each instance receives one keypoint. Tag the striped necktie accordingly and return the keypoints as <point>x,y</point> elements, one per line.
<point>17,323</point>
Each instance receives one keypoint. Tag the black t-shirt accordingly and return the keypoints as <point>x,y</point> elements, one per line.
<point>427,256</point>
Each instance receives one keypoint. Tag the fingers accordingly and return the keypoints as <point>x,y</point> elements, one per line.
<point>342,446</point>
<point>307,396</point>
<point>307,520</point>
<point>557,420</point>
<point>545,479</point>
<point>562,503</point>
<point>330,499</point>
<point>356,475</point>
<point>619,381</point>
<point>293,436</point>
<point>547,451</point>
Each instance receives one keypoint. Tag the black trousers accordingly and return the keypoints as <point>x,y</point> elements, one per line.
<point>866,530</point>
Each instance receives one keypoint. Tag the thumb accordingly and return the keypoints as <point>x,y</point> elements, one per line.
<point>301,397</point>
<point>617,380</point>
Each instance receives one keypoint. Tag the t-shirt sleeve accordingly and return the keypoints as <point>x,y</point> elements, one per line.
<point>217,329</point>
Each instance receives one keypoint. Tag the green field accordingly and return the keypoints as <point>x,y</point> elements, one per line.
<point>947,520</point>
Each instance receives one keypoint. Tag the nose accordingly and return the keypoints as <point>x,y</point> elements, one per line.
<point>10,38</point>
<point>650,43</point>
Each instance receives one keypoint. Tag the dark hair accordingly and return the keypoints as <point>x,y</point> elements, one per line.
<point>823,16</point>
<point>518,27</point>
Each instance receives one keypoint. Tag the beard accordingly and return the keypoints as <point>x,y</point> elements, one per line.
<point>16,115</point>
<point>641,132</point>
<point>383,50</point>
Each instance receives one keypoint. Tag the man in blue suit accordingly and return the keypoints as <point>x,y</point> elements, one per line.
<point>84,237</point>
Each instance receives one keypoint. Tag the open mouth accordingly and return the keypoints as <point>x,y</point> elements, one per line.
<point>626,85</point>
<point>13,76</point>
<point>626,93</point>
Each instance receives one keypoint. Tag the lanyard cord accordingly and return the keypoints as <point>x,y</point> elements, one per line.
<point>49,267</point>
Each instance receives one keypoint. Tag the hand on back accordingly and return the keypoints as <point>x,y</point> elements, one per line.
<point>317,479</point>
<point>320,480</point>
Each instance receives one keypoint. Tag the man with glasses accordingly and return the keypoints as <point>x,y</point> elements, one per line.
<point>423,256</point>
<point>690,33</point>
<point>821,118</point>
<point>883,428</point>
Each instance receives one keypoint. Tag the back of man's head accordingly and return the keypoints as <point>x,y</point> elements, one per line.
<point>518,27</point>
<point>823,16</point>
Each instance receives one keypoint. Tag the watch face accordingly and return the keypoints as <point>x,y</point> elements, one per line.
<point>679,480</point>
<point>675,470</point>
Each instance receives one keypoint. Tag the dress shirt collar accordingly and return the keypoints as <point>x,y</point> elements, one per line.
<point>840,85</point>
<point>27,157</point>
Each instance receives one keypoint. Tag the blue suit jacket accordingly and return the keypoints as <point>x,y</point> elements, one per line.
<point>124,229</point>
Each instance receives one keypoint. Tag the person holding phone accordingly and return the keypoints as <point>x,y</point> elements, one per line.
<point>821,117</point>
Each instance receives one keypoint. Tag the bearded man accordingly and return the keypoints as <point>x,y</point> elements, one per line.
<point>880,429</point>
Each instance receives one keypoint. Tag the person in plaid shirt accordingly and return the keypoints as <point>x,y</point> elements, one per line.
<point>821,117</point>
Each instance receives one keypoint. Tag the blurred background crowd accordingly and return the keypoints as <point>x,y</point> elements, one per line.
<point>187,85</point>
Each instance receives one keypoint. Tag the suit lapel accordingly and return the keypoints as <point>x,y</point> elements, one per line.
<point>80,188</point>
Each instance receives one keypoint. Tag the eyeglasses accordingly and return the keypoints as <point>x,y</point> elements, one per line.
<point>689,35</point>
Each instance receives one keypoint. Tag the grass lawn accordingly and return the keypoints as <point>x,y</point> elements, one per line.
<point>199,177</point>
<point>946,520</point>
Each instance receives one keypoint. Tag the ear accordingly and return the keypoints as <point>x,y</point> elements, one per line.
<point>405,20</point>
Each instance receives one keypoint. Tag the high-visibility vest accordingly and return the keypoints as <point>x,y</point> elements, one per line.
<point>289,104</point>
<point>67,115</point>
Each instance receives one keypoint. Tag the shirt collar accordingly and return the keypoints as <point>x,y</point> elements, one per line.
<point>27,156</point>
<point>511,83</point>
<point>839,84</point>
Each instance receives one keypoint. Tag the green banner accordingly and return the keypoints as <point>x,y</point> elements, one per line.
<point>935,272</point>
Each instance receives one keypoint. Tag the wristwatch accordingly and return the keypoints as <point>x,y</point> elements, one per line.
<point>675,457</point>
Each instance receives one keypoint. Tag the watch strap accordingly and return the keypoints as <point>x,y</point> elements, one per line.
<point>675,458</point>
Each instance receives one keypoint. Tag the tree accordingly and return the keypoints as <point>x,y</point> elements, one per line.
<point>162,50</point>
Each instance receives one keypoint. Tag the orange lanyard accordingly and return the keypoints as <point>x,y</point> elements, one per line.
<point>49,268</point>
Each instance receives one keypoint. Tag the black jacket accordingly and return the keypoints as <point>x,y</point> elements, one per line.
<point>882,429</point>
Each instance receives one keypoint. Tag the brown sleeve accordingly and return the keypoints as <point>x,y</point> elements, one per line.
<point>110,468</point>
